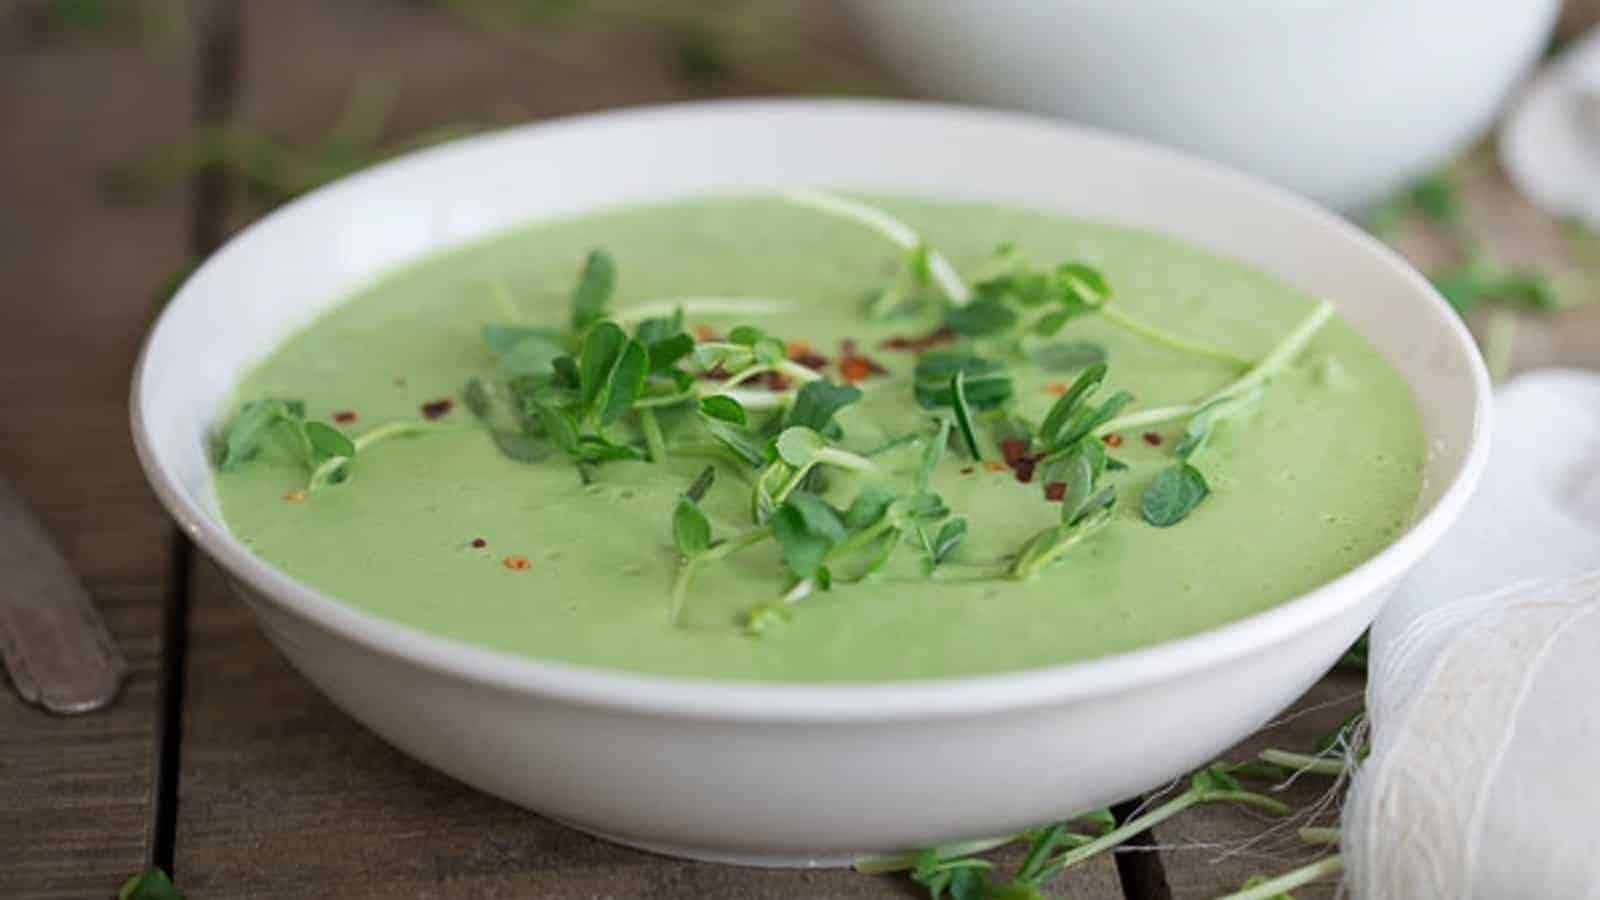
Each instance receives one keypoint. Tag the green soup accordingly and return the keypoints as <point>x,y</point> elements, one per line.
<point>431,531</point>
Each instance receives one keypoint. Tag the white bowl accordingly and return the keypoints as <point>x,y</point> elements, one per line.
<point>791,774</point>
<point>1342,100</point>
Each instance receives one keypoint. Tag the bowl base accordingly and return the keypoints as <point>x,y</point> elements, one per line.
<point>722,857</point>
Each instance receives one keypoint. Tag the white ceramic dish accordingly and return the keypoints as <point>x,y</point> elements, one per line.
<point>1342,100</point>
<point>791,774</point>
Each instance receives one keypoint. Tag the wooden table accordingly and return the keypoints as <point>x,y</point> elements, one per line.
<point>219,762</point>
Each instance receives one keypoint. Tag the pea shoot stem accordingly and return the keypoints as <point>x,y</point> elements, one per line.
<point>653,441</point>
<point>1270,365</point>
<point>1317,765</point>
<point>1154,335</point>
<point>323,473</point>
<point>1300,877</point>
<point>691,565</point>
<point>900,862</point>
<point>1191,797</point>
<point>898,232</point>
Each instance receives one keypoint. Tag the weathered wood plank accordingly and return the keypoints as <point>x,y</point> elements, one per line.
<point>75,792</point>
<point>284,796</point>
<point>77,276</point>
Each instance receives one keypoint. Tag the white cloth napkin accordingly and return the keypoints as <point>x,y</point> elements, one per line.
<point>1484,686</point>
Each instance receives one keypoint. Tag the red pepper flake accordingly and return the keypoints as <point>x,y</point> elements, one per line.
<point>434,409</point>
<point>816,362</point>
<point>297,495</point>
<point>516,563</point>
<point>994,465</point>
<point>1055,491</point>
<point>717,373</point>
<point>1056,387</point>
<point>1113,439</point>
<point>1024,468</point>
<point>854,367</point>
<point>479,543</point>
<point>928,341</point>
<point>800,352</point>
<point>968,470</point>
<point>705,333</point>
<point>345,416</point>
<point>776,381</point>
<point>1153,439</point>
<point>1014,449</point>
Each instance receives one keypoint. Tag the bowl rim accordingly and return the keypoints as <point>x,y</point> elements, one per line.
<point>922,698</point>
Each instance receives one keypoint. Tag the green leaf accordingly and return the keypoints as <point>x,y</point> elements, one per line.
<point>1103,499</point>
<point>725,421</point>
<point>650,331</point>
<point>501,338</point>
<point>1069,403</point>
<point>818,402</point>
<point>602,348</point>
<point>807,528</point>
<point>701,484</point>
<point>869,505</point>
<point>1203,423</point>
<point>595,284</point>
<point>925,507</point>
<point>746,335</point>
<point>596,449</point>
<point>1084,423</point>
<point>242,440</point>
<point>477,399</point>
<point>798,446</point>
<point>1050,324</point>
<point>611,373</point>
<point>1067,356</point>
<point>151,884</point>
<point>329,441</point>
<point>1176,491</point>
<point>724,408</point>
<point>530,356</point>
<point>950,537</point>
<point>985,316</point>
<point>520,447</point>
<point>958,397</point>
<point>933,453</point>
<point>625,384</point>
<point>691,530</point>
<point>987,382</point>
<point>665,352</point>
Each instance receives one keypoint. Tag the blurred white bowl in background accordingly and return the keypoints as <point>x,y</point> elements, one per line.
<point>1341,100</point>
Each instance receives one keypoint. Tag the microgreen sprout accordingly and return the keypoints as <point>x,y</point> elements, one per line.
<point>322,449</point>
<point>902,235</point>
<point>955,871</point>
<point>1072,290</point>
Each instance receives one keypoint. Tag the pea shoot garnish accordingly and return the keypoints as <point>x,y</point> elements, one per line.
<point>770,428</point>
<point>957,872</point>
<point>323,450</point>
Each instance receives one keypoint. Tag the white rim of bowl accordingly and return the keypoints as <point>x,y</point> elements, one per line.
<point>665,695</point>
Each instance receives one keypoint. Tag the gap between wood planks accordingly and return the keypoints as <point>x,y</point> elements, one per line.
<point>216,67</point>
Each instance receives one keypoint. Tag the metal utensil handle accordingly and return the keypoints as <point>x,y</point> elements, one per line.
<point>52,639</point>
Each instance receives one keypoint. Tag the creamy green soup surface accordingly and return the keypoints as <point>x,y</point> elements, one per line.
<point>433,530</point>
